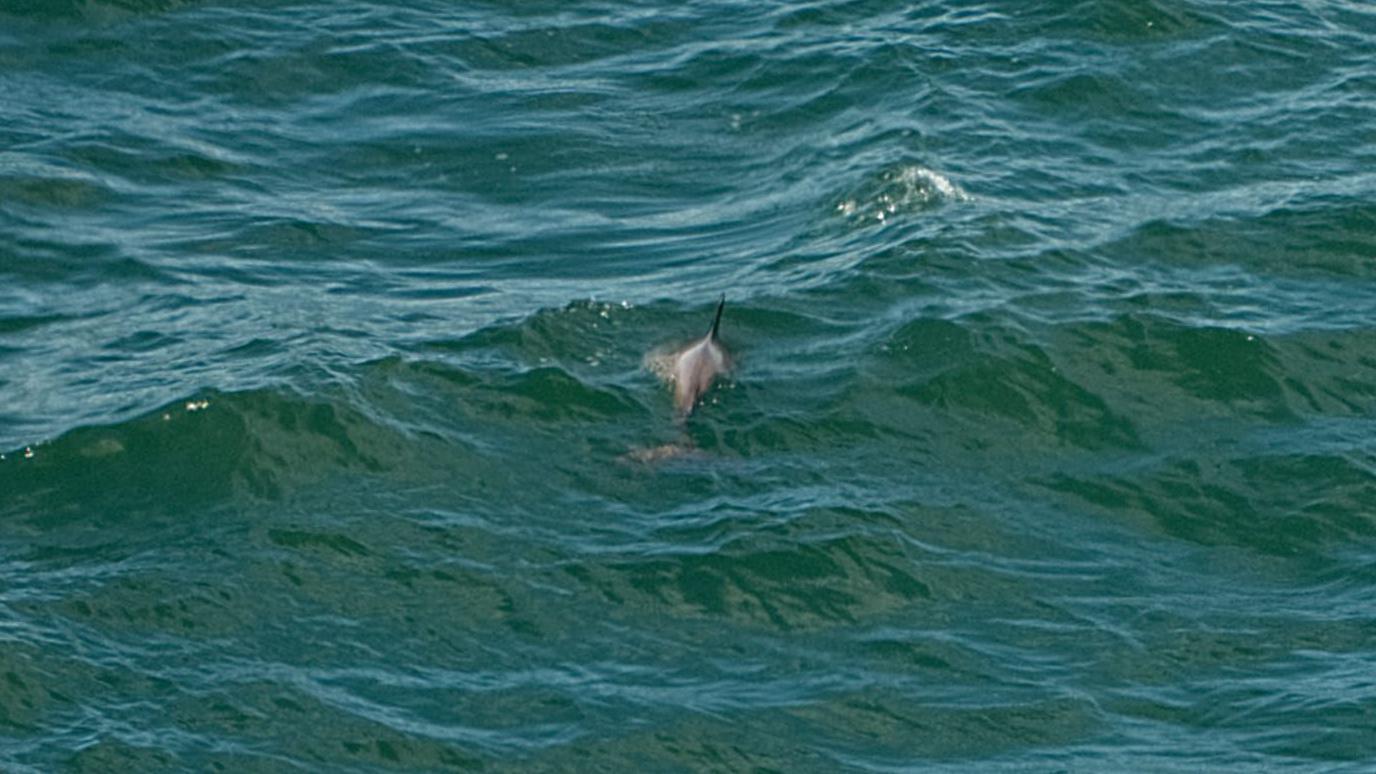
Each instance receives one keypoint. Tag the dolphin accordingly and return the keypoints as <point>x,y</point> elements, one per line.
<point>693,368</point>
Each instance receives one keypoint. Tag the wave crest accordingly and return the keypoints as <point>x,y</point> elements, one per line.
<point>901,190</point>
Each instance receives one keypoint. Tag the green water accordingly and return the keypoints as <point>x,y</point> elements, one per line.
<point>322,386</point>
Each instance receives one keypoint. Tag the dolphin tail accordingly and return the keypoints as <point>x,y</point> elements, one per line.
<point>716,322</point>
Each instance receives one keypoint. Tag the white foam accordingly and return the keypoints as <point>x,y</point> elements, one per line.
<point>915,175</point>
<point>900,190</point>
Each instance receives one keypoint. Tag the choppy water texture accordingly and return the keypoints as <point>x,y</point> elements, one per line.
<point>1051,444</point>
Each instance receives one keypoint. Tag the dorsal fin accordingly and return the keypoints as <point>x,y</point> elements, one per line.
<point>716,322</point>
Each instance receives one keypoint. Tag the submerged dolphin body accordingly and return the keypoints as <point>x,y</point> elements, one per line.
<point>693,368</point>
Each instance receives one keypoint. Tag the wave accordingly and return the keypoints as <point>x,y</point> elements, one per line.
<point>1276,502</point>
<point>208,449</point>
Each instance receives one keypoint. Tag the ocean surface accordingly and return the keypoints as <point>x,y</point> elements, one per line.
<point>329,443</point>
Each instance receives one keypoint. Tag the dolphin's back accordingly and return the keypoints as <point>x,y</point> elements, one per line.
<point>695,368</point>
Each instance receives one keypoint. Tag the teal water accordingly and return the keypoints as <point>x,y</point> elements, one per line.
<point>1052,444</point>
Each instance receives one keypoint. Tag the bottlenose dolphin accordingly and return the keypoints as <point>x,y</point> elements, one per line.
<point>693,368</point>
